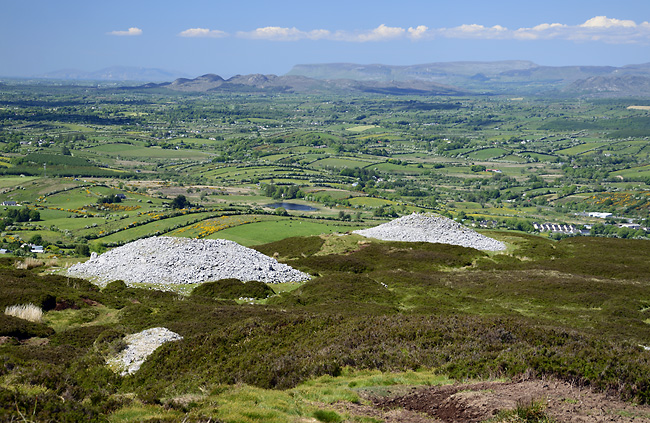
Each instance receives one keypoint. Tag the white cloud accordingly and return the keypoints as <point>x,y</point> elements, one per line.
<point>203,33</point>
<point>599,28</point>
<point>381,33</point>
<point>605,22</point>
<point>541,31</point>
<point>418,32</point>
<point>130,32</point>
<point>475,31</point>
<point>276,33</point>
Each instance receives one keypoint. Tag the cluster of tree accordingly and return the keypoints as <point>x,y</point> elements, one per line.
<point>397,162</point>
<point>22,215</point>
<point>482,196</point>
<point>51,159</point>
<point>180,202</point>
<point>615,231</point>
<point>364,175</point>
<point>286,192</point>
<point>384,211</point>
<point>109,199</point>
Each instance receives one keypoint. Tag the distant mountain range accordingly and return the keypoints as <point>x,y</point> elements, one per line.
<point>513,77</point>
<point>114,73</point>
<point>302,84</point>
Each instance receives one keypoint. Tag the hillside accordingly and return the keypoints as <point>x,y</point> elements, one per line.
<point>114,73</point>
<point>380,328</point>
<point>259,83</point>
<point>502,76</point>
<point>612,86</point>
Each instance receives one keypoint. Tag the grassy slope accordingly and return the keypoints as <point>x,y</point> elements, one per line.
<point>574,309</point>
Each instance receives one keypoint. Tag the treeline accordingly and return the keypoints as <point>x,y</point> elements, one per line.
<point>51,159</point>
<point>109,199</point>
<point>600,229</point>
<point>70,171</point>
<point>22,215</point>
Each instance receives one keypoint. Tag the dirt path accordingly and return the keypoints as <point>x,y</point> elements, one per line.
<point>473,403</point>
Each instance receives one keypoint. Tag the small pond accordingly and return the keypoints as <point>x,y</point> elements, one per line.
<point>292,206</point>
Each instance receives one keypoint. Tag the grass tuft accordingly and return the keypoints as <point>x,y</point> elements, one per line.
<point>525,412</point>
<point>327,416</point>
<point>28,312</point>
<point>29,263</point>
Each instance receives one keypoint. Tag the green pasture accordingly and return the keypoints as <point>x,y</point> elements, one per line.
<point>468,205</point>
<point>195,141</point>
<point>281,228</point>
<point>333,193</point>
<point>209,228</point>
<point>221,171</point>
<point>78,224</point>
<point>380,136</point>
<point>395,168</point>
<point>340,163</point>
<point>542,157</point>
<point>513,158</point>
<point>120,148</point>
<point>12,181</point>
<point>361,128</point>
<point>276,157</point>
<point>487,153</point>
<point>242,199</point>
<point>52,214</point>
<point>162,225</point>
<point>635,172</point>
<point>128,150</point>
<point>77,128</point>
<point>580,149</point>
<point>87,196</point>
<point>370,202</point>
<point>458,151</point>
<point>46,234</point>
<point>75,199</point>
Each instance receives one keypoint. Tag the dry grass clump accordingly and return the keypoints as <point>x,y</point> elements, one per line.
<point>26,312</point>
<point>29,263</point>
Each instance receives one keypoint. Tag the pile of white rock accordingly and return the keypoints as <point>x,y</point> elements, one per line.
<point>140,346</point>
<point>427,227</point>
<point>165,261</point>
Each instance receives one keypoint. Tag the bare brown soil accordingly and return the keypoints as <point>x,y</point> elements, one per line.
<point>478,402</point>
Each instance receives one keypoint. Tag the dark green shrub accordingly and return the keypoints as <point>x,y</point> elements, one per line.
<point>343,288</point>
<point>22,329</point>
<point>82,337</point>
<point>233,289</point>
<point>294,247</point>
<point>327,416</point>
<point>115,287</point>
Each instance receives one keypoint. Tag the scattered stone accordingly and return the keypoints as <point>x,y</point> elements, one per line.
<point>140,346</point>
<point>165,261</point>
<point>427,227</point>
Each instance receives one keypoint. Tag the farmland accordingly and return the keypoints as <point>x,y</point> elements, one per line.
<point>85,169</point>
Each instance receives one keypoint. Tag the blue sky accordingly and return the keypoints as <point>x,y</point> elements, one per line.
<point>240,37</point>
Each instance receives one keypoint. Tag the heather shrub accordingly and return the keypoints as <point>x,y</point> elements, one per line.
<point>21,328</point>
<point>295,247</point>
<point>233,289</point>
